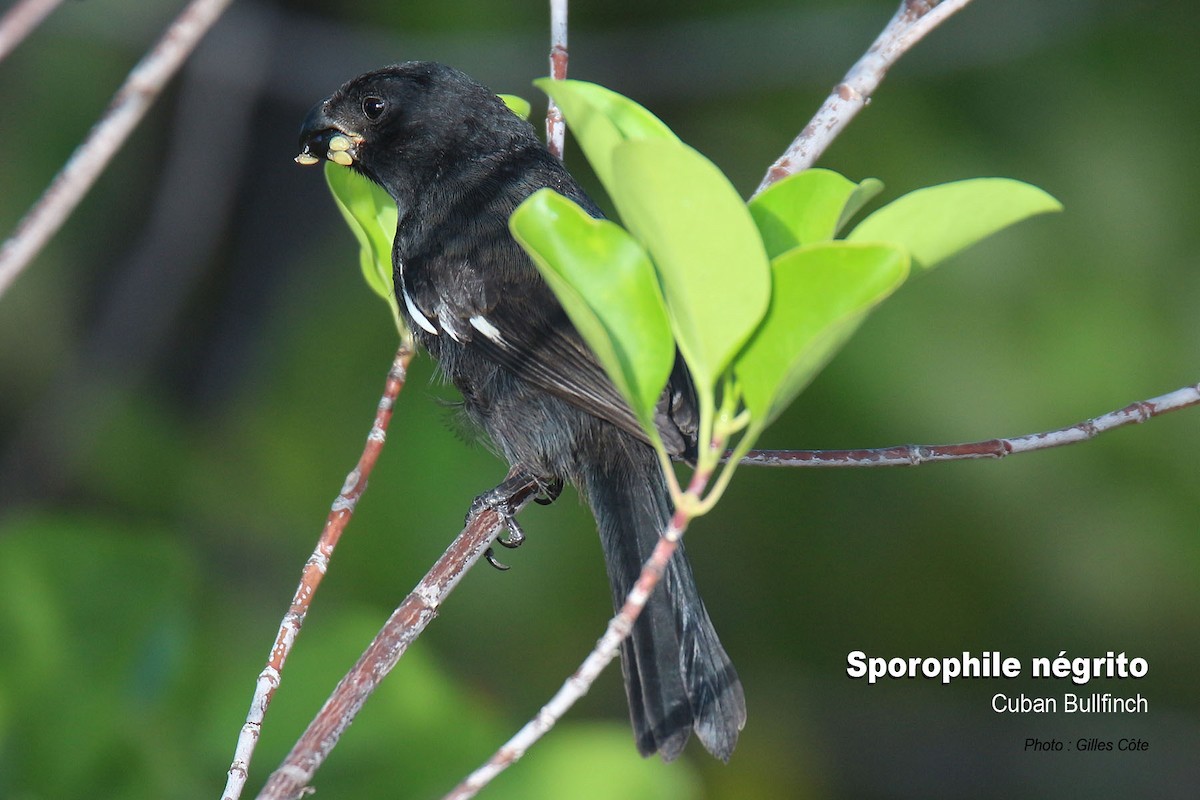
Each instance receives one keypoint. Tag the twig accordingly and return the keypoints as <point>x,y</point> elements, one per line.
<point>556,127</point>
<point>911,455</point>
<point>314,570</point>
<point>20,20</point>
<point>605,651</point>
<point>128,107</point>
<point>132,318</point>
<point>912,21</point>
<point>291,779</point>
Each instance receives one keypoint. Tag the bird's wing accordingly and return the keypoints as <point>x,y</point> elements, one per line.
<point>519,324</point>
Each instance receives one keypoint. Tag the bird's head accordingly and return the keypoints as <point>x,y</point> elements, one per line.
<point>403,125</point>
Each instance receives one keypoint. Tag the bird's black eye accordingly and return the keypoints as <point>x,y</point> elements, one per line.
<point>373,107</point>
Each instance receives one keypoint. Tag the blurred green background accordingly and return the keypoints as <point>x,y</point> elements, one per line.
<point>189,370</point>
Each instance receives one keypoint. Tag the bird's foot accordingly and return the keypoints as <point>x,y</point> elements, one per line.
<point>506,500</point>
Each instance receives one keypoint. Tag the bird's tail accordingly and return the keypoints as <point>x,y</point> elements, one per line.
<point>677,675</point>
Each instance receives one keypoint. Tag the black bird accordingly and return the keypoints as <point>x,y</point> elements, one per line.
<point>457,162</point>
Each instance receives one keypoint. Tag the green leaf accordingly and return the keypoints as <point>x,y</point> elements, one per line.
<point>518,105</point>
<point>709,256</point>
<point>801,209</point>
<point>821,294</point>
<point>371,215</point>
<point>601,119</point>
<point>936,222</point>
<point>608,287</point>
<point>865,192</point>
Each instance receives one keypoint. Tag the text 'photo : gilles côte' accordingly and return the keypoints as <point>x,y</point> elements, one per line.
<point>1092,745</point>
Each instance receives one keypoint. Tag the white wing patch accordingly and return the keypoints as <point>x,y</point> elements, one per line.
<point>415,312</point>
<point>449,322</point>
<point>479,323</point>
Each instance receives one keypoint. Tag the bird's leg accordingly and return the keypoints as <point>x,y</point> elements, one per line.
<point>506,500</point>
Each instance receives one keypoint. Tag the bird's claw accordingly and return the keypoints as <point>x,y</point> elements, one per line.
<point>515,537</point>
<point>503,500</point>
<point>512,538</point>
<point>490,555</point>
<point>548,492</point>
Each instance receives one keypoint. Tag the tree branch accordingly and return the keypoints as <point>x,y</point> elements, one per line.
<point>912,21</point>
<point>291,779</point>
<point>314,570</point>
<point>20,20</point>
<point>128,107</point>
<point>556,126</point>
<point>911,455</point>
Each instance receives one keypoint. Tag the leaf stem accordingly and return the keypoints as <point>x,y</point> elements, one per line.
<point>713,496</point>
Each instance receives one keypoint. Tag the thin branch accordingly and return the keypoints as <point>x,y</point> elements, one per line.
<point>606,649</point>
<point>128,107</point>
<point>290,781</point>
<point>911,455</point>
<point>556,127</point>
<point>132,318</point>
<point>314,570</point>
<point>20,20</point>
<point>912,21</point>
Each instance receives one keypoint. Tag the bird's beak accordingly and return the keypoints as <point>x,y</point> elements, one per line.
<point>323,137</point>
